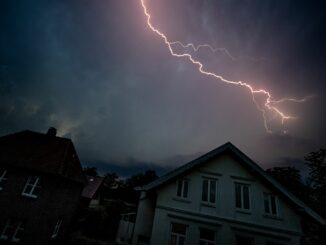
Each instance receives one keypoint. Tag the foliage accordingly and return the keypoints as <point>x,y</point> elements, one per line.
<point>312,192</point>
<point>316,162</point>
<point>290,178</point>
<point>95,225</point>
<point>141,179</point>
<point>91,171</point>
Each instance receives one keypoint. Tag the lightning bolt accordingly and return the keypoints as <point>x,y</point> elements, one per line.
<point>196,48</point>
<point>268,106</point>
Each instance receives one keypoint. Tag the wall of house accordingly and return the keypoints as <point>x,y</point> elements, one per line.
<point>223,216</point>
<point>58,199</point>
<point>144,218</point>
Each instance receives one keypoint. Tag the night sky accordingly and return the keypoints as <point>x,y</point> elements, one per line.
<point>95,71</point>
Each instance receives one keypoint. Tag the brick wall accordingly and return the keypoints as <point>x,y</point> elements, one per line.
<point>58,198</point>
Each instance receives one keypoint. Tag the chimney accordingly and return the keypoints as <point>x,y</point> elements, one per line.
<point>52,131</point>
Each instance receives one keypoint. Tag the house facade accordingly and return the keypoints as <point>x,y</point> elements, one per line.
<point>222,197</point>
<point>41,181</point>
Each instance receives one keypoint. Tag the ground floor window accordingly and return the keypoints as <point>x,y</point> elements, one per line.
<point>13,230</point>
<point>206,237</point>
<point>143,240</point>
<point>244,240</point>
<point>178,234</point>
<point>56,228</point>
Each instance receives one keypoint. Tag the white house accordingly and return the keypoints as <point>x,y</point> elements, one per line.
<point>222,197</point>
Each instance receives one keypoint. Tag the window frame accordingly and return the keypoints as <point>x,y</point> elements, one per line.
<point>57,228</point>
<point>178,235</point>
<point>20,227</point>
<point>209,184</point>
<point>242,200</point>
<point>240,236</point>
<point>15,227</point>
<point>10,224</point>
<point>183,195</point>
<point>269,197</point>
<point>3,178</point>
<point>33,185</point>
<point>205,241</point>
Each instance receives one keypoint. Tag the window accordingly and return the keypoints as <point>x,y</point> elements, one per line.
<point>13,230</point>
<point>3,178</point>
<point>143,240</point>
<point>206,237</point>
<point>7,230</point>
<point>270,204</point>
<point>178,234</point>
<point>242,196</point>
<point>18,232</point>
<point>32,187</point>
<point>56,228</point>
<point>243,240</point>
<point>209,191</point>
<point>182,190</point>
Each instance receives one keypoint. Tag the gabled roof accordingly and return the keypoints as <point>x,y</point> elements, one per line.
<point>93,184</point>
<point>42,153</point>
<point>247,163</point>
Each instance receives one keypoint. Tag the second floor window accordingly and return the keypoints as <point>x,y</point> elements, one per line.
<point>32,187</point>
<point>242,196</point>
<point>182,188</point>
<point>3,179</point>
<point>270,204</point>
<point>209,191</point>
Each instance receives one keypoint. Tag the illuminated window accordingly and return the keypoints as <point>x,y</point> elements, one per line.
<point>32,187</point>
<point>178,234</point>
<point>56,228</point>
<point>270,204</point>
<point>206,237</point>
<point>242,196</point>
<point>209,191</point>
<point>182,189</point>
<point>3,178</point>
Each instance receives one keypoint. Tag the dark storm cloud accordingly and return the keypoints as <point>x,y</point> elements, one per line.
<point>94,70</point>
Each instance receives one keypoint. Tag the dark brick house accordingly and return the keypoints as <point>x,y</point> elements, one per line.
<point>41,181</point>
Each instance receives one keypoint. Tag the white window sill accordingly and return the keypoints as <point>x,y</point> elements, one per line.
<point>208,204</point>
<point>180,199</point>
<point>29,195</point>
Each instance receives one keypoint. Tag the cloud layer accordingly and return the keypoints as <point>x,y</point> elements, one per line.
<point>93,70</point>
